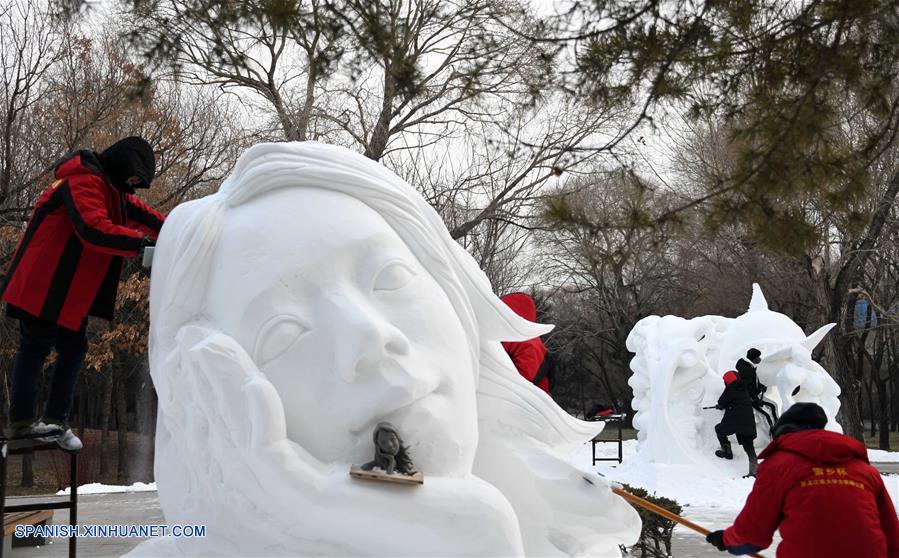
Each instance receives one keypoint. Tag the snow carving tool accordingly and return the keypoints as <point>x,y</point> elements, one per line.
<point>147,259</point>
<point>647,505</point>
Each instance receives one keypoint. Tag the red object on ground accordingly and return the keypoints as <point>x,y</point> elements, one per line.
<point>818,488</point>
<point>526,355</point>
<point>68,262</point>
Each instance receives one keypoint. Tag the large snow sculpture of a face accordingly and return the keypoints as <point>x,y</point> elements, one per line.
<point>314,296</point>
<point>348,326</point>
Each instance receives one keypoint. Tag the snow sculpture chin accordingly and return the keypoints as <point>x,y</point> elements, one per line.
<point>314,296</point>
<point>677,370</point>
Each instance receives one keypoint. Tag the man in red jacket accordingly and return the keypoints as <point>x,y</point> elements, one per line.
<point>817,487</point>
<point>67,267</point>
<point>528,356</point>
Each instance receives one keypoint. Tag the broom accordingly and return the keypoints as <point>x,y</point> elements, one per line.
<point>636,500</point>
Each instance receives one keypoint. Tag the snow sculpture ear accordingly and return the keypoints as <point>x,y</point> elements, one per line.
<point>814,339</point>
<point>779,356</point>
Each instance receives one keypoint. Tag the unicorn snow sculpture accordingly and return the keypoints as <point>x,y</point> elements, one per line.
<point>677,370</point>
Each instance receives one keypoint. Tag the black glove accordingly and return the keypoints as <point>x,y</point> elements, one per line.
<point>716,539</point>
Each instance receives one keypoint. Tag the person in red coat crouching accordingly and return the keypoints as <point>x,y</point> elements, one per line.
<point>67,267</point>
<point>818,488</point>
<point>528,356</point>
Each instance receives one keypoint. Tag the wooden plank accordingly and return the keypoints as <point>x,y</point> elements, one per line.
<point>360,473</point>
<point>10,520</point>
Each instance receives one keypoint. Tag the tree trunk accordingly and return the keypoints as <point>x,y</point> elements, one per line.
<point>121,408</point>
<point>105,416</point>
<point>380,133</point>
<point>828,306</point>
<point>850,396</point>
<point>869,389</point>
<point>883,397</point>
<point>27,470</point>
<point>894,408</point>
<point>143,401</point>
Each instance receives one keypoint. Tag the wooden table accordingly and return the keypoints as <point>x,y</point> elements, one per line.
<point>619,418</point>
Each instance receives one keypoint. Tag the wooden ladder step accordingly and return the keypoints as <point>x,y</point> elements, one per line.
<point>10,520</point>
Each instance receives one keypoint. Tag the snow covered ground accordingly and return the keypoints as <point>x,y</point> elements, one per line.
<point>711,498</point>
<point>880,456</point>
<point>97,488</point>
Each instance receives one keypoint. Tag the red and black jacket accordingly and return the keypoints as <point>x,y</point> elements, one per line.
<point>68,262</point>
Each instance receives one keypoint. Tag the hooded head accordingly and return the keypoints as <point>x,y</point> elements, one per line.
<point>754,355</point>
<point>522,304</point>
<point>730,377</point>
<point>129,163</point>
<point>800,416</point>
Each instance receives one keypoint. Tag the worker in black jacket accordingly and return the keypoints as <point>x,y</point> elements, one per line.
<point>746,368</point>
<point>738,419</point>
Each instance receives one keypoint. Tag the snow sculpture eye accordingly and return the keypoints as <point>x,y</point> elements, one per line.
<point>392,277</point>
<point>276,336</point>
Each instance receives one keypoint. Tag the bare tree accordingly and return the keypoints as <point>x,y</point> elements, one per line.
<point>29,47</point>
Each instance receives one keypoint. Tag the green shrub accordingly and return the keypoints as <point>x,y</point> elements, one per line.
<point>655,538</point>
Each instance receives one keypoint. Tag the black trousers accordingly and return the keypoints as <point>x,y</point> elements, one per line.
<point>37,338</point>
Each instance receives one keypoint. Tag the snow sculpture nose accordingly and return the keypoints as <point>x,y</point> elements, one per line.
<point>368,340</point>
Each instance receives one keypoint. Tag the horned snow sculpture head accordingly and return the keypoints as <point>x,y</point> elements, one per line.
<point>313,297</point>
<point>787,367</point>
<point>677,369</point>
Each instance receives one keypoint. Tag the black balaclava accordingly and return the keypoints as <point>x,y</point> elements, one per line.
<point>800,416</point>
<point>132,156</point>
<point>754,355</point>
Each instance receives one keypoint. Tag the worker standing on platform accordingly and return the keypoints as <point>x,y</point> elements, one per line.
<point>66,267</point>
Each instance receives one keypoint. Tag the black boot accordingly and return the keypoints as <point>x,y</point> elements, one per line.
<point>725,451</point>
<point>749,448</point>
